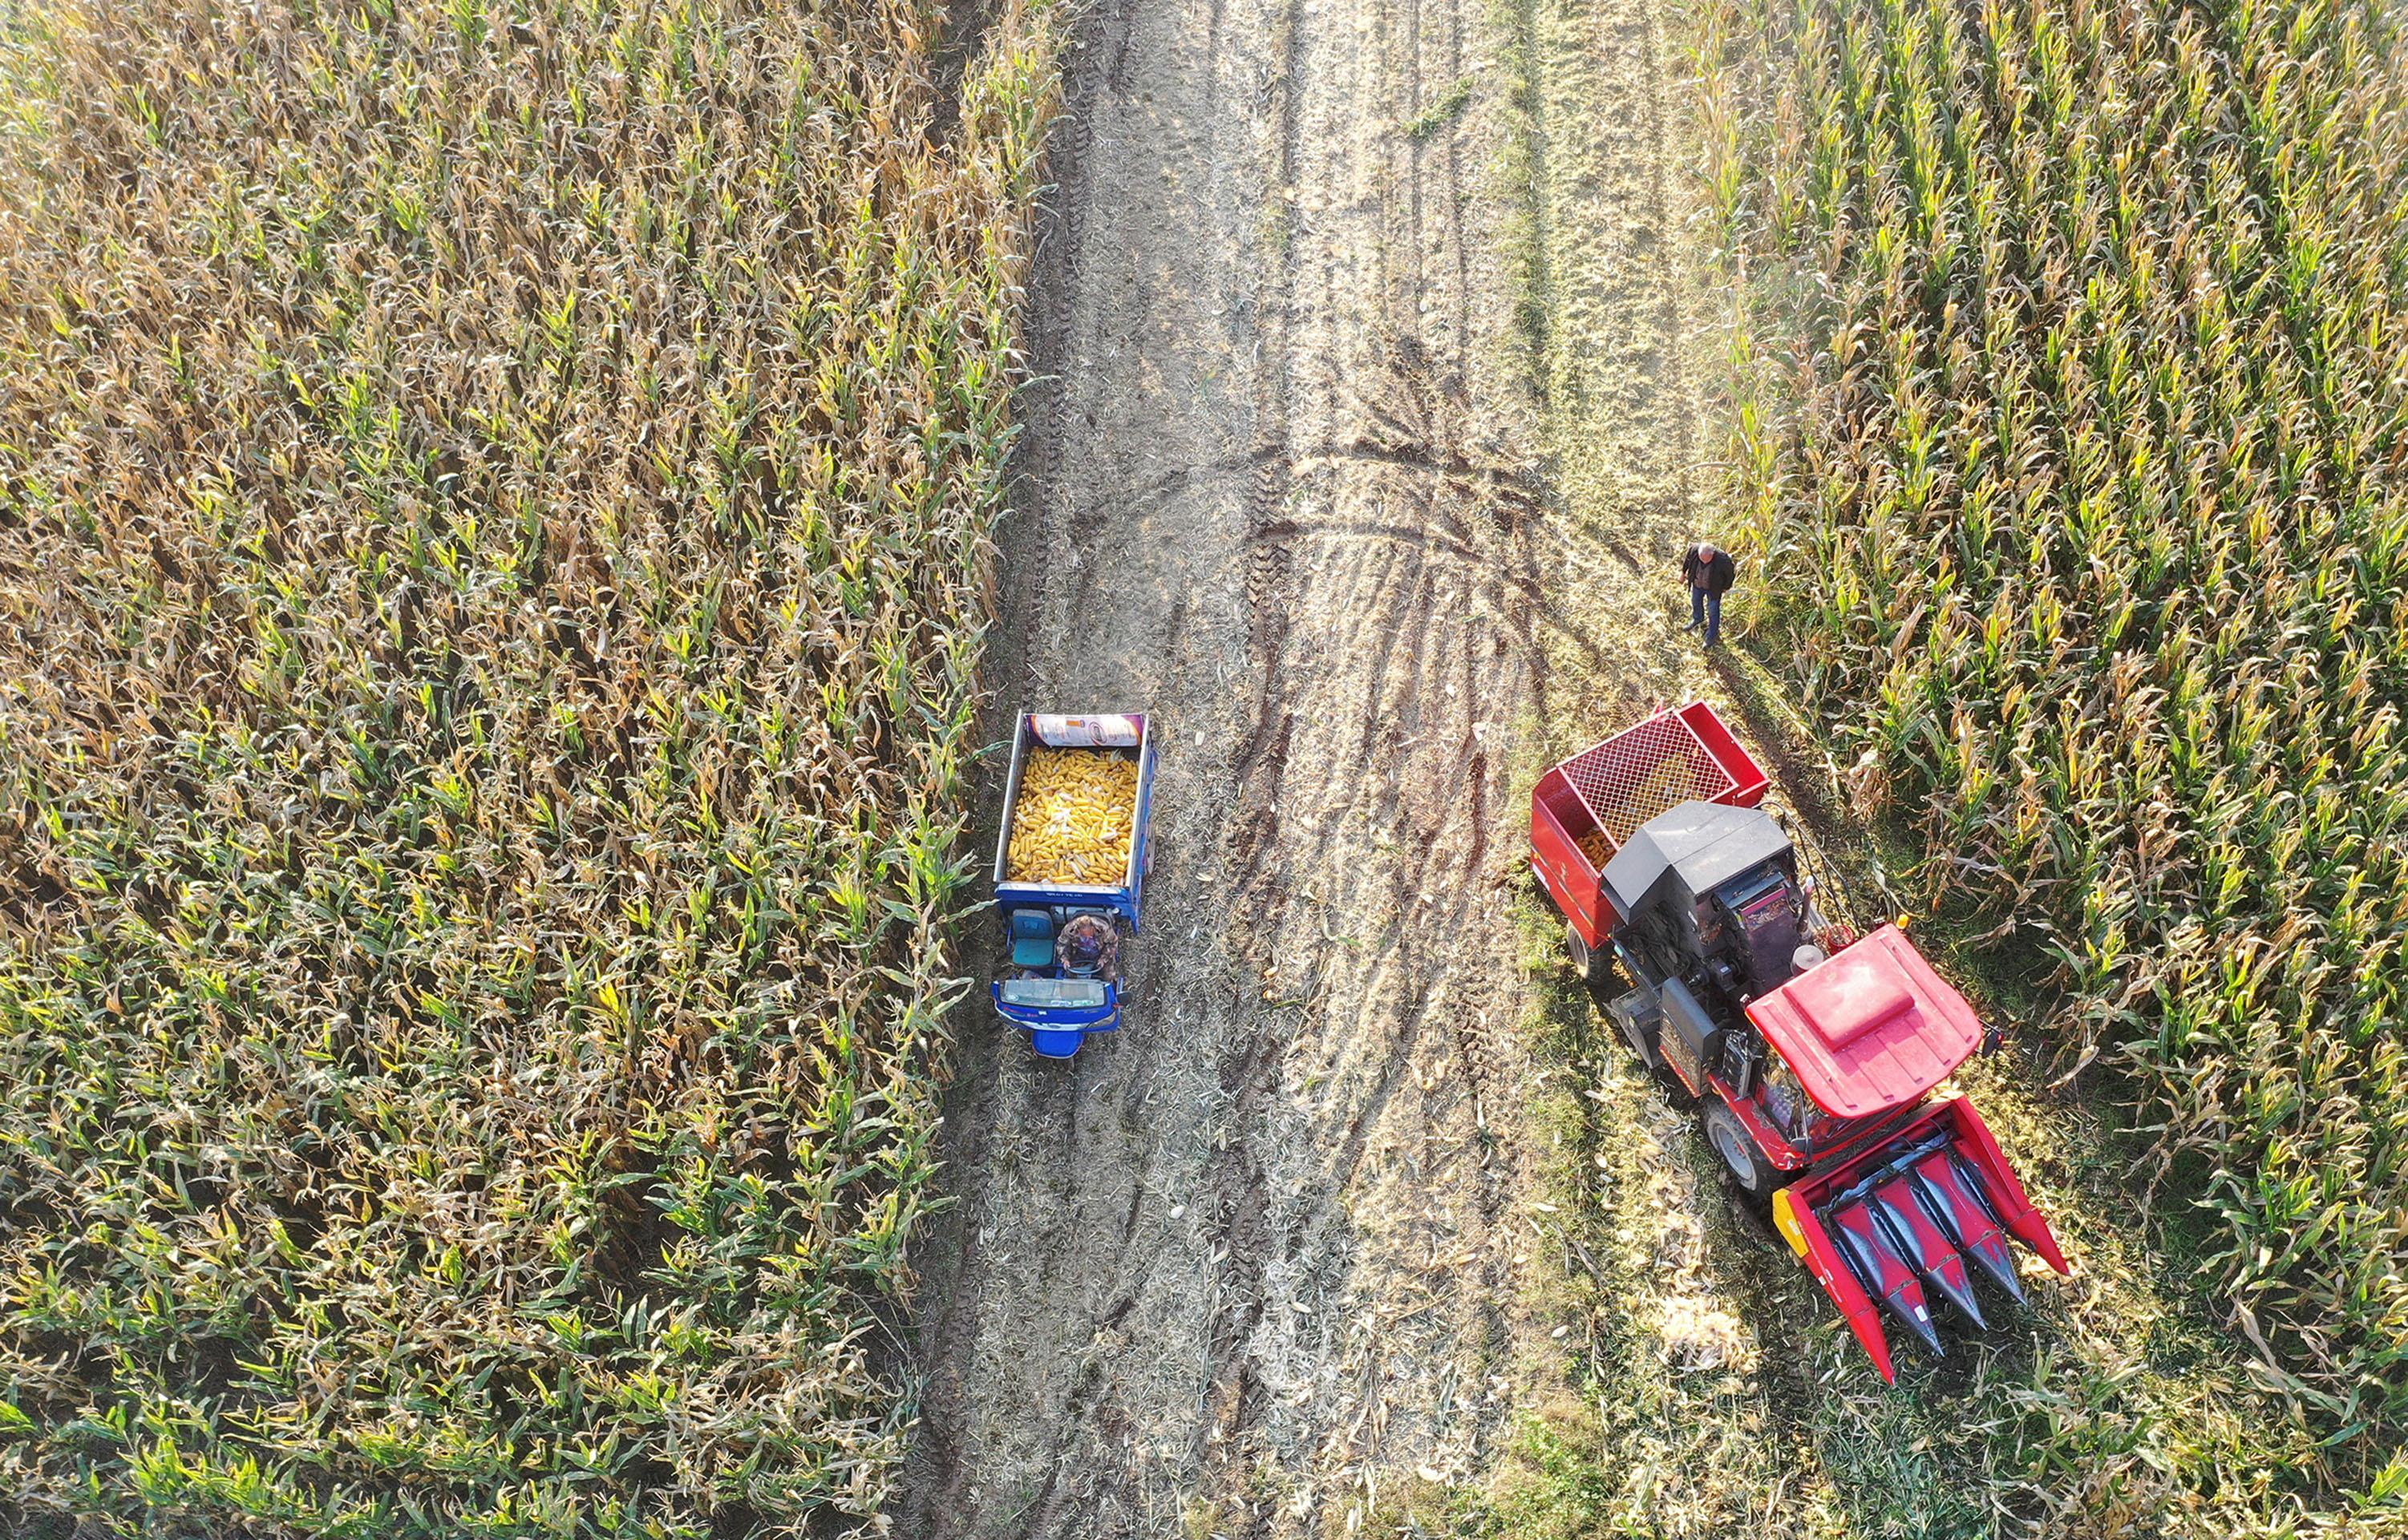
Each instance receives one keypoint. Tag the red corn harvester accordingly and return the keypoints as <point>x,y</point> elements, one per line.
<point>1811,1054</point>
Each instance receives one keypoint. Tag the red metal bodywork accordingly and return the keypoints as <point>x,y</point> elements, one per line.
<point>1678,755</point>
<point>1867,1031</point>
<point>1871,1029</point>
<point>1778,1149</point>
<point>1769,1138</point>
<point>1830,1214</point>
<point>1894,1203</point>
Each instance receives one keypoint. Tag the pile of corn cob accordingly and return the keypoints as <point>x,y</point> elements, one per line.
<point>1076,817</point>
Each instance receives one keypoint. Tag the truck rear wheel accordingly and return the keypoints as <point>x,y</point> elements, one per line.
<point>1749,1170</point>
<point>1597,968</point>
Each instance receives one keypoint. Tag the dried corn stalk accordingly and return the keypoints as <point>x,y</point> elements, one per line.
<point>495,536</point>
<point>2088,511</point>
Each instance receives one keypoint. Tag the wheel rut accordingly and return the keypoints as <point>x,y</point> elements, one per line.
<point>1244,1261</point>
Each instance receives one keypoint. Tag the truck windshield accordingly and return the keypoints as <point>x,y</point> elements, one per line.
<point>1052,993</point>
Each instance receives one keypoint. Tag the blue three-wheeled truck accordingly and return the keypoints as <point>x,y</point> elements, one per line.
<point>1055,991</point>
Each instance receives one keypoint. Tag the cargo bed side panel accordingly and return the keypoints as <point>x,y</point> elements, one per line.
<point>1122,898</point>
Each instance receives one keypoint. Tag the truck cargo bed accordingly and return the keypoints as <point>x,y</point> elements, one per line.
<point>1120,735</point>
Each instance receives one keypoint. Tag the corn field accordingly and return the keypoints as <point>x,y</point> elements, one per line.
<point>2069,424</point>
<point>494,510</point>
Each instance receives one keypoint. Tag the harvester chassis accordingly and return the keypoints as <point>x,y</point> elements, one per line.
<point>1814,1056</point>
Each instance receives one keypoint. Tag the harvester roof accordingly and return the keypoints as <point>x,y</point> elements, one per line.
<point>1871,1028</point>
<point>1702,845</point>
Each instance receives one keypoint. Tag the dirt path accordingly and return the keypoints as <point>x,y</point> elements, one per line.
<point>1265,1256</point>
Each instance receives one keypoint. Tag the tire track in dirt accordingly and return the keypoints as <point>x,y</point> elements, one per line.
<point>1243,1265</point>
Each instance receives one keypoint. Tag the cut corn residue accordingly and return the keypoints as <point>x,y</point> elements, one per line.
<point>1075,819</point>
<point>1596,847</point>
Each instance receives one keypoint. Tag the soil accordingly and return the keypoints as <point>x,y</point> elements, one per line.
<point>1290,486</point>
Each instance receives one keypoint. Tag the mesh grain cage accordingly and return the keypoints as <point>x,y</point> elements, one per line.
<point>1584,808</point>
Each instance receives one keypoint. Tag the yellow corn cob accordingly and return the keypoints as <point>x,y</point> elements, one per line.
<point>1076,820</point>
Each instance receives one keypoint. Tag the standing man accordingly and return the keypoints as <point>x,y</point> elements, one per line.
<point>1708,574</point>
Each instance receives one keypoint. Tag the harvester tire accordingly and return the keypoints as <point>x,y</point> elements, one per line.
<point>1585,962</point>
<point>1750,1172</point>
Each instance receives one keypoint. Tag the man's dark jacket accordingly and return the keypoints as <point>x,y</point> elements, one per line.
<point>1719,571</point>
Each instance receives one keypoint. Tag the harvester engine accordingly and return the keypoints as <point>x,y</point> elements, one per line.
<point>1715,914</point>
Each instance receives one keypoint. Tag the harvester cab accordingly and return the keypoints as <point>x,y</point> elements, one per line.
<point>1812,1053</point>
<point>1712,897</point>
